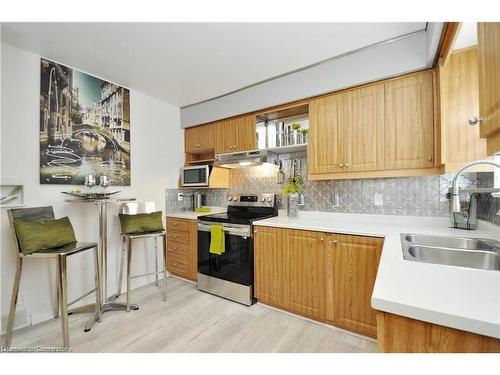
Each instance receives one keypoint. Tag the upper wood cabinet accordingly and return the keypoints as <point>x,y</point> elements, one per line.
<point>363,132</point>
<point>352,266</point>
<point>409,122</point>
<point>235,135</point>
<point>347,131</point>
<point>489,83</point>
<point>373,129</point>
<point>325,154</point>
<point>199,139</point>
<point>459,100</point>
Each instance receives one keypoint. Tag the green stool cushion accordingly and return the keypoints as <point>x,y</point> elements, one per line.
<point>141,223</point>
<point>36,235</point>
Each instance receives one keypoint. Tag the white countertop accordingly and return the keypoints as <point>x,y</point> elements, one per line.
<point>192,215</point>
<point>462,298</point>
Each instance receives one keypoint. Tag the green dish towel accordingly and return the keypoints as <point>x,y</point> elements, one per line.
<point>202,209</point>
<point>217,244</point>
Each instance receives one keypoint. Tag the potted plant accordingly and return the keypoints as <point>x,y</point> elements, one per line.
<point>292,190</point>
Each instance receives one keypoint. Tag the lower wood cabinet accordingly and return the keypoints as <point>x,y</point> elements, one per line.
<point>303,272</point>
<point>182,248</point>
<point>398,334</point>
<point>323,276</point>
<point>353,263</point>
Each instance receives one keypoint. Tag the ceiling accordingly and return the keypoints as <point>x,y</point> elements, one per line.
<point>185,63</point>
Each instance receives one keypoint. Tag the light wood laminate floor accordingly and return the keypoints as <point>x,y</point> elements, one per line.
<point>193,321</point>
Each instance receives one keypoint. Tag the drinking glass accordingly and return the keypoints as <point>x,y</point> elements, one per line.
<point>90,181</point>
<point>104,181</point>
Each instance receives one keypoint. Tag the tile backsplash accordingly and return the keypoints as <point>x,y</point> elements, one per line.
<point>414,196</point>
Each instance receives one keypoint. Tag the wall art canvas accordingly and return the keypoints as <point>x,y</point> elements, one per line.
<point>84,127</point>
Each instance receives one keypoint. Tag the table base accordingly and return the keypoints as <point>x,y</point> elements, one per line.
<point>109,306</point>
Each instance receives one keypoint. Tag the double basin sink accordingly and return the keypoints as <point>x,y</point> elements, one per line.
<point>481,253</point>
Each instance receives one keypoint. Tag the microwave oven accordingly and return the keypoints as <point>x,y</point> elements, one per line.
<point>195,176</point>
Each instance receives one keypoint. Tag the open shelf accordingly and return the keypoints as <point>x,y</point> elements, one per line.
<point>201,161</point>
<point>287,149</point>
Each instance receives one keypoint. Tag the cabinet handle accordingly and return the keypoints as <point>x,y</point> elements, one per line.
<point>341,165</point>
<point>429,158</point>
<point>321,239</point>
<point>334,242</point>
<point>347,165</point>
<point>475,120</point>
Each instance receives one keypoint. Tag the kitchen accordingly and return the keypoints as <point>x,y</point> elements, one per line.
<point>300,212</point>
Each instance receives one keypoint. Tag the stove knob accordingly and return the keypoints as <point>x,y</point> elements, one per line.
<point>269,199</point>
<point>230,198</point>
<point>263,200</point>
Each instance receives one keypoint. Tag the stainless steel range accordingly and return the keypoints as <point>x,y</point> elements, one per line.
<point>230,275</point>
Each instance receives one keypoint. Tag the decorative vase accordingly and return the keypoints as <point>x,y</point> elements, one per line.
<point>293,205</point>
<point>295,137</point>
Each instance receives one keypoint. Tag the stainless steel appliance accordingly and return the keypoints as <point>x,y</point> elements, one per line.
<point>230,275</point>
<point>244,159</point>
<point>195,176</point>
<point>200,200</point>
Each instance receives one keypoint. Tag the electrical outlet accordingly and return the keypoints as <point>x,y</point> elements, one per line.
<point>179,197</point>
<point>335,200</point>
<point>379,199</point>
<point>22,298</point>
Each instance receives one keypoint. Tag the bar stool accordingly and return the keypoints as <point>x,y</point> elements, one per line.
<point>60,254</point>
<point>134,208</point>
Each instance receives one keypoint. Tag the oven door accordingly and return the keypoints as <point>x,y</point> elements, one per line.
<point>236,263</point>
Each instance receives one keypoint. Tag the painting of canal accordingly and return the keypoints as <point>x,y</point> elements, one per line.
<point>84,127</point>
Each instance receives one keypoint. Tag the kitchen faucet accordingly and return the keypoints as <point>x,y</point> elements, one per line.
<point>455,197</point>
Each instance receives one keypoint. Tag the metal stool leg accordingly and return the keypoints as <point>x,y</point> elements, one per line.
<point>164,267</point>
<point>96,317</point>
<point>97,284</point>
<point>129,263</point>
<point>120,275</point>
<point>63,298</point>
<point>156,260</point>
<point>13,301</point>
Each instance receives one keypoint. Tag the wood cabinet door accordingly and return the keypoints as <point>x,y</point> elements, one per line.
<point>244,138</point>
<point>459,100</point>
<point>325,154</point>
<point>268,272</point>
<point>225,137</point>
<point>355,263</point>
<point>303,271</point>
<point>363,130</point>
<point>409,122</point>
<point>190,140</point>
<point>489,80</point>
<point>199,138</point>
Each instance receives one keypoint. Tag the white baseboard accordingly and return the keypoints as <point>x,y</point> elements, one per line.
<point>23,318</point>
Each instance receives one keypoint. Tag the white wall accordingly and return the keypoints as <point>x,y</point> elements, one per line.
<point>368,65</point>
<point>156,155</point>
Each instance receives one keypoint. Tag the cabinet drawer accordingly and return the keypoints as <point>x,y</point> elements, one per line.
<point>177,265</point>
<point>177,249</point>
<point>178,236</point>
<point>177,224</point>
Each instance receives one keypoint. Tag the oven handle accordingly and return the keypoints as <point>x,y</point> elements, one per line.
<point>240,231</point>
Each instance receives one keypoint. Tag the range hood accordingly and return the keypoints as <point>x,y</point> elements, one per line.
<point>243,159</point>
